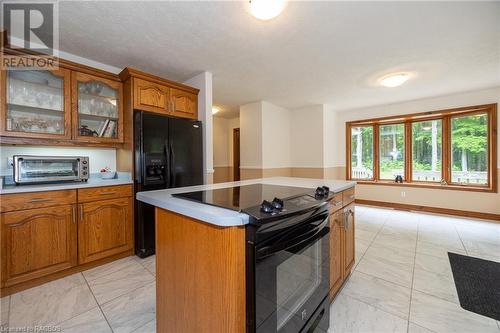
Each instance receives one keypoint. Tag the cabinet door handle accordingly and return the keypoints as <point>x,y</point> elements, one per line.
<point>337,203</point>
<point>107,193</point>
<point>346,216</point>
<point>73,213</point>
<point>40,200</point>
<point>81,213</point>
<point>351,196</point>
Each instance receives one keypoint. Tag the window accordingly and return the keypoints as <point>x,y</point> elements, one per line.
<point>427,145</point>
<point>392,151</point>
<point>469,142</point>
<point>362,152</point>
<point>453,149</point>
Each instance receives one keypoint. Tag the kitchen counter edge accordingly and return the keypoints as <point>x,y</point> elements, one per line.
<point>221,216</point>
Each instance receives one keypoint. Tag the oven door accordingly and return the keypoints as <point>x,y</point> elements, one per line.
<point>292,276</point>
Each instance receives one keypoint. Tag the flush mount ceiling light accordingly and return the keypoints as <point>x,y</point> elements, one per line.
<point>394,80</point>
<point>215,109</point>
<point>266,9</point>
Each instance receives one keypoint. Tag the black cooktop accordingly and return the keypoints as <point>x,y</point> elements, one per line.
<point>241,197</point>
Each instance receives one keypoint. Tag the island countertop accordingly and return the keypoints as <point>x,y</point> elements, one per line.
<point>222,216</point>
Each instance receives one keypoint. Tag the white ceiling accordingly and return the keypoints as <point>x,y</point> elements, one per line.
<point>315,52</point>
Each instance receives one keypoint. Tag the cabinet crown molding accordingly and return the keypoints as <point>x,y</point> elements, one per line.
<point>129,72</point>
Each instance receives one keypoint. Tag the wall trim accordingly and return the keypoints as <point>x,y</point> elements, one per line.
<point>428,209</point>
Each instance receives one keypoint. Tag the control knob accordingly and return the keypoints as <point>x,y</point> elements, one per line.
<point>277,204</point>
<point>266,207</point>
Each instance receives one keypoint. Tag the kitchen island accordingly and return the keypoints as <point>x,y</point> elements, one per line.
<point>201,255</point>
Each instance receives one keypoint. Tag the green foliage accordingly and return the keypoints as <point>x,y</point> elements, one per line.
<point>470,133</point>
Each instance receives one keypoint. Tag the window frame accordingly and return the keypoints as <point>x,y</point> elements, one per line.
<point>408,119</point>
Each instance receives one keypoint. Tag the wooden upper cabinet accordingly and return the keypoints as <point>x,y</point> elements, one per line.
<point>35,103</point>
<point>104,228</point>
<point>184,104</point>
<point>155,94</point>
<point>150,96</point>
<point>97,109</point>
<point>349,251</point>
<point>37,242</point>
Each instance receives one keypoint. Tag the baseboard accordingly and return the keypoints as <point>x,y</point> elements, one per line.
<point>5,291</point>
<point>427,209</point>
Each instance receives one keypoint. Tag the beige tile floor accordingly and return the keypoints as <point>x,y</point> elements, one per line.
<point>402,282</point>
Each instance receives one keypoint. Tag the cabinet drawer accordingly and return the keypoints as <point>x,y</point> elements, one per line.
<point>348,196</point>
<point>105,192</point>
<point>21,201</point>
<point>336,203</point>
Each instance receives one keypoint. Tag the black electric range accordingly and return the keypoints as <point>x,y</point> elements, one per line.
<point>262,202</point>
<point>287,254</point>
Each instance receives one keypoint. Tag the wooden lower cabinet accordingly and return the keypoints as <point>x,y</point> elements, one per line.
<point>349,252</point>
<point>105,228</point>
<point>342,245</point>
<point>47,235</point>
<point>37,242</point>
<point>336,251</point>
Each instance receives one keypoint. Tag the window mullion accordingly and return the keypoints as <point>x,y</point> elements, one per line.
<point>376,152</point>
<point>408,152</point>
<point>446,149</point>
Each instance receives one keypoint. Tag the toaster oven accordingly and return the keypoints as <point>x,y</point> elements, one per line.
<point>42,169</point>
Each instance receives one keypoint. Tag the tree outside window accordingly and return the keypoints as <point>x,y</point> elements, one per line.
<point>427,143</point>
<point>469,140</point>
<point>392,151</point>
<point>362,152</point>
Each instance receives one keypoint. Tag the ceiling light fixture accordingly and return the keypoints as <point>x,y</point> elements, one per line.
<point>266,9</point>
<point>215,109</point>
<point>394,80</point>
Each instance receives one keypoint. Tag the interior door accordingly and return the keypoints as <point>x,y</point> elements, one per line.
<point>236,154</point>
<point>37,242</point>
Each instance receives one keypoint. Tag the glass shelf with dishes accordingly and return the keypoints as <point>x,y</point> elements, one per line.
<point>35,102</point>
<point>98,112</point>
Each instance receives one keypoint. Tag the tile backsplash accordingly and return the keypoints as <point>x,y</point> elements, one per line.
<point>98,157</point>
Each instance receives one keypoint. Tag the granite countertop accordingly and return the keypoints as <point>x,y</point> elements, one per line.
<point>94,181</point>
<point>222,216</point>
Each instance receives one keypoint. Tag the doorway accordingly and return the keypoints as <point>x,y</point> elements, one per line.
<point>236,154</point>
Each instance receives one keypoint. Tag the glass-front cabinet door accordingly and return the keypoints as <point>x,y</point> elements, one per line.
<point>37,103</point>
<point>97,109</point>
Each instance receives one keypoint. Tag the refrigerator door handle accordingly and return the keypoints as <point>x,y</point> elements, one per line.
<point>172,165</point>
<point>166,171</point>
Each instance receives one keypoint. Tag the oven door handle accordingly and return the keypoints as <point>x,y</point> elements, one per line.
<point>313,234</point>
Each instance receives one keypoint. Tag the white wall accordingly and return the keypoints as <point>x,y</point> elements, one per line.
<point>251,136</point>
<point>276,136</point>
<point>203,82</point>
<point>485,96</point>
<point>98,157</point>
<point>221,142</point>
<point>307,137</point>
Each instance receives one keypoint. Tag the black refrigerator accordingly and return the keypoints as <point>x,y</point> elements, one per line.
<point>168,153</point>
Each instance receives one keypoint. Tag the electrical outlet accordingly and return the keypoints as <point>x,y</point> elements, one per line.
<point>403,194</point>
<point>10,162</point>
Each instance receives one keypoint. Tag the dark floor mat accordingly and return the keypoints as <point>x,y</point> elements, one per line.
<point>478,284</point>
